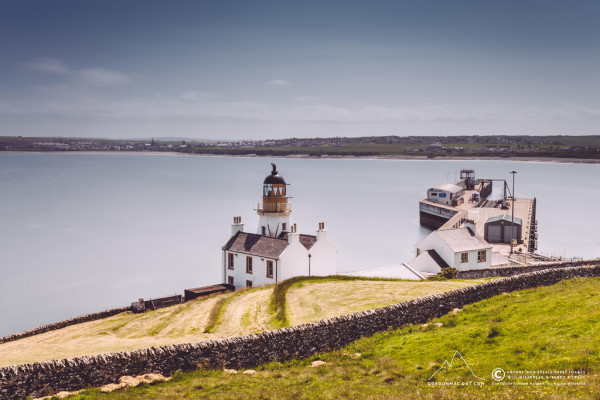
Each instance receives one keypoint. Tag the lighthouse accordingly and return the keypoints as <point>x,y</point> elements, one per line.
<point>275,209</point>
<point>276,251</point>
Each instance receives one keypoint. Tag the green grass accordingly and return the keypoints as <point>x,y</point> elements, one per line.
<point>277,307</point>
<point>548,328</point>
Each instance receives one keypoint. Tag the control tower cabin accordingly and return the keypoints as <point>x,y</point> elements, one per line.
<point>274,211</point>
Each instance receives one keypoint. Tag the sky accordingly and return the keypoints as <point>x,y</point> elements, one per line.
<point>233,69</point>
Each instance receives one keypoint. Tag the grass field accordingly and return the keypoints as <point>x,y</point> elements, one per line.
<point>543,329</point>
<point>309,301</point>
<point>222,316</point>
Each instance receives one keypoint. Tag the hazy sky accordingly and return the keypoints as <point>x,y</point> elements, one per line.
<point>267,69</point>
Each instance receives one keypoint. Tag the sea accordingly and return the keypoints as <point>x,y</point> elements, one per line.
<point>82,233</point>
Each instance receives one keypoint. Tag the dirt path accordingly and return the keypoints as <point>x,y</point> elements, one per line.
<point>247,313</point>
<point>316,301</point>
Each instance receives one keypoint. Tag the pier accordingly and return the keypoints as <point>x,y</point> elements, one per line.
<point>466,201</point>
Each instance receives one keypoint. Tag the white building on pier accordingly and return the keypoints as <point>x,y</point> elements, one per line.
<point>460,248</point>
<point>446,193</point>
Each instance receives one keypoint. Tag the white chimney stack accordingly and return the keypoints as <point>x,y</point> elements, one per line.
<point>237,225</point>
<point>321,232</point>
<point>293,237</point>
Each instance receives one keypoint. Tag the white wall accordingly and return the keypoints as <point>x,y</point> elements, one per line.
<point>239,274</point>
<point>294,259</point>
<point>323,261</point>
<point>448,196</point>
<point>292,262</point>
<point>472,262</point>
<point>274,223</point>
<point>433,242</point>
<point>437,199</point>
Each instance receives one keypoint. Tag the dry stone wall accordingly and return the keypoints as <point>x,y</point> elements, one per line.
<point>65,323</point>
<point>252,350</point>
<point>511,271</point>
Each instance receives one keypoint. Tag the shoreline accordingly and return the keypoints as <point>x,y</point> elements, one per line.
<point>329,157</point>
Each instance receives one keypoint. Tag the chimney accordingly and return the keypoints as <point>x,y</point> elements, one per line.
<point>293,237</point>
<point>471,226</point>
<point>321,232</point>
<point>237,225</point>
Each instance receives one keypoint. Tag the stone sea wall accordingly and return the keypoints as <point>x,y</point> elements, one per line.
<point>252,350</point>
<point>65,323</point>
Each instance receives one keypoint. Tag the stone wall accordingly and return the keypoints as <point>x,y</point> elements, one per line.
<point>511,271</point>
<point>252,350</point>
<point>63,324</point>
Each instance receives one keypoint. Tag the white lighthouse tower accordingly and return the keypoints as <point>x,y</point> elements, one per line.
<point>276,251</point>
<point>274,211</point>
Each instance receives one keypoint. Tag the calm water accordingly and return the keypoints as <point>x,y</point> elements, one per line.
<point>84,232</point>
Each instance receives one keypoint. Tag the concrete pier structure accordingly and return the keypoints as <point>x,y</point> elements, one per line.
<point>477,210</point>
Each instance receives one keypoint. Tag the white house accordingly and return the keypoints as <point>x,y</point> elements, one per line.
<point>446,193</point>
<point>460,248</point>
<point>276,252</point>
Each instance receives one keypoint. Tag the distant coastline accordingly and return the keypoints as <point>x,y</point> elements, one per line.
<point>562,160</point>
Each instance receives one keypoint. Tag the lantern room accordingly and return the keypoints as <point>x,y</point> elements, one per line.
<point>274,184</point>
<point>274,195</point>
<point>274,211</point>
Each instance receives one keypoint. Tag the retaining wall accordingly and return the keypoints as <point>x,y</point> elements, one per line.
<point>252,350</point>
<point>511,271</point>
<point>65,323</point>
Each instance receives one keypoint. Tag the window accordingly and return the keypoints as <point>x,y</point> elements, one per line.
<point>230,260</point>
<point>434,194</point>
<point>284,226</point>
<point>269,269</point>
<point>464,257</point>
<point>230,280</point>
<point>248,284</point>
<point>248,265</point>
<point>264,230</point>
<point>481,256</point>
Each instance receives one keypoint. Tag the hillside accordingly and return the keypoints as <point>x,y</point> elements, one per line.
<point>550,328</point>
<point>222,316</point>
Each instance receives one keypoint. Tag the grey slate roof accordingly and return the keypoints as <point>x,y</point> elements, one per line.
<point>307,240</point>
<point>448,187</point>
<point>461,239</point>
<point>504,217</point>
<point>263,246</point>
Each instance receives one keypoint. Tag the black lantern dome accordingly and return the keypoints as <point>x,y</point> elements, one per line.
<point>274,184</point>
<point>274,178</point>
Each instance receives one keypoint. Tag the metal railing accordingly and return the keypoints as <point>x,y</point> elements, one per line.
<point>273,207</point>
